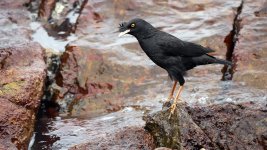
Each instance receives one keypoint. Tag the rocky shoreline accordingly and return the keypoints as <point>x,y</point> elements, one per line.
<point>95,94</point>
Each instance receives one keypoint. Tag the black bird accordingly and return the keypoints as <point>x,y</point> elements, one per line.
<point>169,52</point>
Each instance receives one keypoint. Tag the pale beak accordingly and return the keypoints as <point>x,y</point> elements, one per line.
<point>124,32</point>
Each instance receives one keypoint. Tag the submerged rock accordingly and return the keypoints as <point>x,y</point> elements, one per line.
<point>228,126</point>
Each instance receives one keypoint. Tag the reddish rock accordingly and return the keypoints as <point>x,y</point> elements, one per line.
<point>16,125</point>
<point>88,74</point>
<point>45,9</point>
<point>22,75</point>
<point>21,83</point>
<point>263,11</point>
<point>12,3</point>
<point>60,17</point>
<point>250,51</point>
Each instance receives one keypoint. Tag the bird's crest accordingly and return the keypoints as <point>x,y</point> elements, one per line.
<point>122,25</point>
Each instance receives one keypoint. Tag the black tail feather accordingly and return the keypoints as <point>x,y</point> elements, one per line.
<point>224,62</point>
<point>221,61</point>
<point>191,62</point>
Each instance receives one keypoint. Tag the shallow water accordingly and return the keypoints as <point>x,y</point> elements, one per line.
<point>41,36</point>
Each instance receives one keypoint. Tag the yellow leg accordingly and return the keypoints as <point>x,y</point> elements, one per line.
<point>173,106</point>
<point>172,91</point>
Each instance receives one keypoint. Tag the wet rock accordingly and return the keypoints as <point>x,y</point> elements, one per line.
<point>227,126</point>
<point>127,138</point>
<point>178,132</point>
<point>21,83</point>
<point>45,9</point>
<point>233,126</point>
<point>90,80</point>
<point>16,125</point>
<point>119,130</point>
<point>262,12</point>
<point>250,51</point>
<point>22,75</point>
<point>162,148</point>
<point>12,3</point>
<point>61,17</point>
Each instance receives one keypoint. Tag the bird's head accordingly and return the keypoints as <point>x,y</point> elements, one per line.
<point>136,27</point>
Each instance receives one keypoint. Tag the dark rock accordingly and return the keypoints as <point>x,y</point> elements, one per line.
<point>227,126</point>
<point>162,148</point>
<point>178,132</point>
<point>233,126</point>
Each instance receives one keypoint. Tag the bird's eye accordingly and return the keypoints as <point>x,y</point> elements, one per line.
<point>132,25</point>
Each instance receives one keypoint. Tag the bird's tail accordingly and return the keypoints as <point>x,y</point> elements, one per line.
<point>207,59</point>
<point>224,62</point>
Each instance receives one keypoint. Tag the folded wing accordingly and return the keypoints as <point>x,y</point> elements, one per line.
<point>172,46</point>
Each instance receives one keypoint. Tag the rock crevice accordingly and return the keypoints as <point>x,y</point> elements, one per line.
<point>230,41</point>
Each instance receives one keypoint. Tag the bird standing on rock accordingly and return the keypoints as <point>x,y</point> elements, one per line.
<point>169,52</point>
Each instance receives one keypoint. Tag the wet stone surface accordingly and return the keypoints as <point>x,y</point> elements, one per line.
<point>22,75</point>
<point>250,51</point>
<point>224,126</point>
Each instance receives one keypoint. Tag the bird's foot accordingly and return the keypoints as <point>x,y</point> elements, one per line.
<point>167,103</point>
<point>169,99</point>
<point>173,107</point>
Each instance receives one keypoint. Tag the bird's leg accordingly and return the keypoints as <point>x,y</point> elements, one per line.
<point>173,106</point>
<point>172,91</point>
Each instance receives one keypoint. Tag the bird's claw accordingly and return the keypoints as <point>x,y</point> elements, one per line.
<point>167,103</point>
<point>172,108</point>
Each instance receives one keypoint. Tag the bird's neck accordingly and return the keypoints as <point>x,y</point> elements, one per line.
<point>146,34</point>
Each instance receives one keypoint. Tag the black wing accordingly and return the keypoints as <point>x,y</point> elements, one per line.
<point>172,46</point>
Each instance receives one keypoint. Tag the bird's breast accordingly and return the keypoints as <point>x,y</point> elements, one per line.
<point>151,50</point>
<point>147,46</point>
